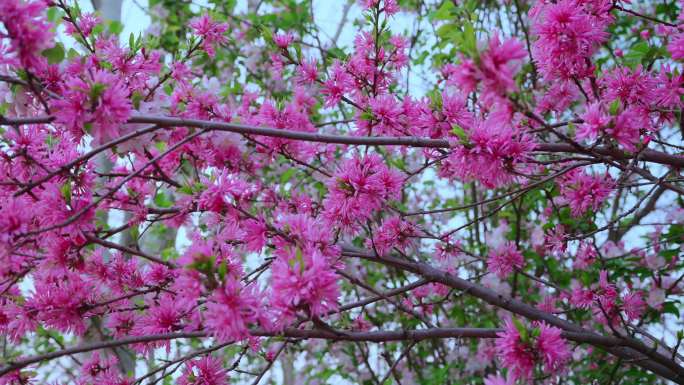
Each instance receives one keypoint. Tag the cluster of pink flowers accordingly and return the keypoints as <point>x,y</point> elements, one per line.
<point>521,348</point>
<point>393,232</point>
<point>495,70</point>
<point>606,303</point>
<point>204,371</point>
<point>582,191</point>
<point>505,259</point>
<point>96,104</point>
<point>568,33</point>
<point>303,281</point>
<point>231,309</point>
<point>359,188</point>
<point>389,7</point>
<point>293,116</point>
<point>100,370</point>
<point>28,32</point>
<point>491,152</point>
<point>210,31</point>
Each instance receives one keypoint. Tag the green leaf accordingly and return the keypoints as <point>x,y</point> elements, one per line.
<point>55,54</point>
<point>521,329</point>
<point>115,27</point>
<point>135,232</point>
<point>72,53</point>
<point>469,43</point>
<point>367,115</point>
<point>163,200</point>
<point>76,10</point>
<point>614,107</point>
<point>169,253</point>
<point>136,98</point>
<point>66,192</point>
<point>96,90</point>
<point>287,175</point>
<point>222,270</point>
<point>671,307</point>
<point>461,134</point>
<point>636,54</point>
<point>300,259</point>
<point>54,14</point>
<point>444,12</point>
<point>97,30</point>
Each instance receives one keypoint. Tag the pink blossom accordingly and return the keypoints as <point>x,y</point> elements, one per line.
<point>520,353</point>
<point>629,86</point>
<point>584,192</point>
<point>28,31</point>
<point>488,151</point>
<point>390,7</point>
<point>627,126</point>
<point>454,109</point>
<point>671,88</point>
<point>634,305</point>
<point>394,232</point>
<point>230,311</point>
<point>595,120</point>
<point>204,371</point>
<point>515,354</point>
<point>283,40</point>
<point>558,97</point>
<point>499,64</point>
<point>164,316</point>
<point>503,260</point>
<point>86,23</point>
<point>581,297</point>
<point>498,380</point>
<point>567,36</point>
<point>303,280</point>
<point>552,348</point>
<point>121,323</point>
<point>291,116</point>
<point>387,112</point>
<point>361,324</point>
<point>339,82</point>
<point>464,75</point>
<point>585,257</point>
<point>495,70</point>
<point>17,377</point>
<point>61,301</point>
<point>97,105</point>
<point>100,370</point>
<point>210,31</point>
<point>556,241</point>
<point>656,298</point>
<point>308,71</point>
<point>676,46</point>
<point>360,187</point>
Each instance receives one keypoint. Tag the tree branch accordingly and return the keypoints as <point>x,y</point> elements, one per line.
<point>410,141</point>
<point>629,348</point>
<point>333,335</point>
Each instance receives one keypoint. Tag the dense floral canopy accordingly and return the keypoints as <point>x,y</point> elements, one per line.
<point>464,192</point>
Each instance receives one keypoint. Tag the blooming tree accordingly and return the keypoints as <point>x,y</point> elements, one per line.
<point>469,192</point>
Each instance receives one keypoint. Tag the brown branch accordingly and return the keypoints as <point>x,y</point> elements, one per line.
<point>370,336</point>
<point>629,348</point>
<point>128,250</point>
<point>618,233</point>
<point>111,191</point>
<point>410,141</point>
<point>647,17</point>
